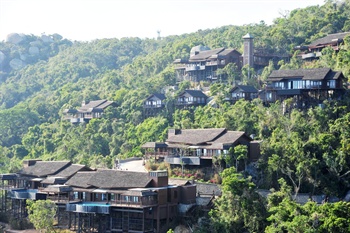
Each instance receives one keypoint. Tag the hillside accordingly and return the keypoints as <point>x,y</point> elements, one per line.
<point>42,75</point>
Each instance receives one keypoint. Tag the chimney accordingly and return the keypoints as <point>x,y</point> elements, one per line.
<point>160,178</point>
<point>29,162</point>
<point>173,132</point>
<point>83,103</point>
<point>248,53</point>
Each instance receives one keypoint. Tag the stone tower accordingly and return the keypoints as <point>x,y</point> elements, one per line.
<point>248,53</point>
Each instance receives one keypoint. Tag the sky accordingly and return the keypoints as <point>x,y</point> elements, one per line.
<point>86,20</point>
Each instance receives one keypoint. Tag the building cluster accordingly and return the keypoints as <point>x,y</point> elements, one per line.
<point>197,147</point>
<point>103,200</point>
<point>307,87</point>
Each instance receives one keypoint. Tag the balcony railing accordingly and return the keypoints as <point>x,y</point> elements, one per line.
<point>153,106</point>
<point>183,160</point>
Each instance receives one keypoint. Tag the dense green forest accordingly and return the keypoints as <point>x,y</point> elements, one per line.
<point>308,150</point>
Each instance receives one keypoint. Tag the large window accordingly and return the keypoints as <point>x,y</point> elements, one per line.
<point>331,83</point>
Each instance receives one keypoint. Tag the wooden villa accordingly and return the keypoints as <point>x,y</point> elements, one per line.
<point>103,200</point>
<point>198,146</point>
<point>191,98</point>
<point>245,92</point>
<point>308,87</point>
<point>204,63</point>
<point>153,105</point>
<point>93,109</point>
<point>314,50</point>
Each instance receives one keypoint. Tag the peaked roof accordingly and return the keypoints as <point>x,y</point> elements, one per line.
<point>305,74</point>
<point>194,93</point>
<point>81,179</point>
<point>100,104</point>
<point>45,168</point>
<point>331,38</point>
<point>110,179</point>
<point>72,169</point>
<point>202,55</point>
<point>245,88</point>
<point>209,136</point>
<point>157,95</point>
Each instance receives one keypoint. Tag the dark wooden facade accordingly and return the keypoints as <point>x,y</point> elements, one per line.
<point>314,50</point>
<point>93,109</point>
<point>204,63</point>
<point>245,92</point>
<point>307,87</point>
<point>197,146</point>
<point>191,98</point>
<point>153,105</point>
<point>103,200</point>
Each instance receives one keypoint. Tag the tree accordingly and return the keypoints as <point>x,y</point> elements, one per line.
<point>42,214</point>
<point>240,208</point>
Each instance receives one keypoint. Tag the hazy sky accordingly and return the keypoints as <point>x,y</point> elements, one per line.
<point>85,20</point>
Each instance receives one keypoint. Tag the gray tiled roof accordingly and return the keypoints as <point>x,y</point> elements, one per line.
<point>157,95</point>
<point>110,179</point>
<point>305,74</point>
<point>71,170</point>
<point>119,179</point>
<point>99,104</point>
<point>196,136</point>
<point>202,55</point>
<point>194,93</point>
<point>245,88</point>
<point>81,179</point>
<point>214,137</point>
<point>44,168</point>
<point>329,38</point>
<point>154,145</point>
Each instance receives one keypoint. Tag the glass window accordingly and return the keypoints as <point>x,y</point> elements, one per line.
<point>331,83</point>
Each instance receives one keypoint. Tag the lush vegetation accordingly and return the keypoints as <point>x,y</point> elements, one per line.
<point>308,149</point>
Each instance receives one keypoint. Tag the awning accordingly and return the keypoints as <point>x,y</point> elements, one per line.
<point>100,191</point>
<point>37,179</point>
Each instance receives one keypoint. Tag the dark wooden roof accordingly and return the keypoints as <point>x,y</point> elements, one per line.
<point>194,93</point>
<point>206,136</point>
<point>110,179</point>
<point>245,88</point>
<point>213,53</point>
<point>96,104</point>
<point>195,136</point>
<point>72,169</point>
<point>154,145</point>
<point>305,74</point>
<point>203,55</point>
<point>44,168</point>
<point>329,39</point>
<point>81,179</point>
<point>157,95</point>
